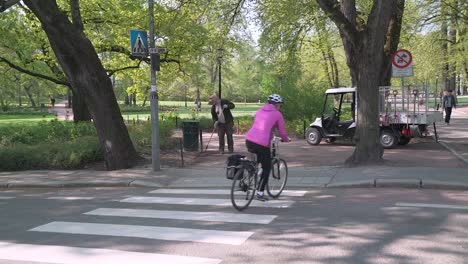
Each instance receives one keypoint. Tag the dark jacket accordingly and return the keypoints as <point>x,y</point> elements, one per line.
<point>445,100</point>
<point>226,111</point>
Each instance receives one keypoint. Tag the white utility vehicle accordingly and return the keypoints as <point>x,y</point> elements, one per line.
<point>404,114</point>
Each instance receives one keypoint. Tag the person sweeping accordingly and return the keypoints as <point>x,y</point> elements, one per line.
<point>223,121</point>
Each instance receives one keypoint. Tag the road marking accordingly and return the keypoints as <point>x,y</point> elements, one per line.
<point>76,255</point>
<point>186,215</point>
<point>203,201</point>
<point>6,197</point>
<point>441,206</point>
<point>223,192</point>
<point>150,232</point>
<point>70,198</point>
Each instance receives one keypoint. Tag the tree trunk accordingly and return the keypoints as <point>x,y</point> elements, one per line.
<point>367,136</point>
<point>444,47</point>
<point>368,61</point>
<point>80,110</point>
<point>348,9</point>
<point>86,74</point>
<point>391,42</point>
<point>334,68</point>
<point>30,96</point>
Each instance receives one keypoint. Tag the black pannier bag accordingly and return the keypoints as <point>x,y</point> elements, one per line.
<point>232,165</point>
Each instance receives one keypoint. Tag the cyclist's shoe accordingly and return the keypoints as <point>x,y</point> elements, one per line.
<point>262,197</point>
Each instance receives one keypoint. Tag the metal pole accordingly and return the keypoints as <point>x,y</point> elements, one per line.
<point>436,95</point>
<point>153,97</point>
<point>403,94</point>
<point>219,78</point>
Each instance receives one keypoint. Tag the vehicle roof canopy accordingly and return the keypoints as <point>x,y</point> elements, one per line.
<point>341,90</point>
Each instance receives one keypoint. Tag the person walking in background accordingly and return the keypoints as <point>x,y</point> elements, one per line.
<point>223,120</point>
<point>52,101</point>
<point>448,101</point>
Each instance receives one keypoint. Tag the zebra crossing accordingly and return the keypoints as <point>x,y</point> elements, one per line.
<point>152,199</point>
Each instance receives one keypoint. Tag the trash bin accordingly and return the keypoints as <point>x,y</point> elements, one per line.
<point>190,131</point>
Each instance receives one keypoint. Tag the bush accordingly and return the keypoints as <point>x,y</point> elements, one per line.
<point>140,134</point>
<point>73,154</point>
<point>45,131</point>
<point>21,110</point>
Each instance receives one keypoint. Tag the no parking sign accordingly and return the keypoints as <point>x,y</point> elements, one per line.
<point>402,63</point>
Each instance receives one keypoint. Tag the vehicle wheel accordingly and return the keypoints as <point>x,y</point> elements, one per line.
<point>388,139</point>
<point>330,140</point>
<point>243,189</point>
<point>313,136</point>
<point>404,140</point>
<point>278,178</point>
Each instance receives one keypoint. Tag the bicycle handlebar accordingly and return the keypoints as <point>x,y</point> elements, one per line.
<point>276,139</point>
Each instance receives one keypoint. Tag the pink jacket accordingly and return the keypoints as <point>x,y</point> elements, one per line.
<point>266,119</point>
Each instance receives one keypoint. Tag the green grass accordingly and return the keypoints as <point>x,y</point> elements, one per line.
<point>241,110</point>
<point>23,119</point>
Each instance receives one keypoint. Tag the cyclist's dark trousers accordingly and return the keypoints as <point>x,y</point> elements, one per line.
<point>448,113</point>
<point>228,129</point>
<point>264,157</point>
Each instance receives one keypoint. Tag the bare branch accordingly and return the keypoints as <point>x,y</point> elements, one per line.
<point>235,11</point>
<point>112,72</point>
<point>332,10</point>
<point>34,74</point>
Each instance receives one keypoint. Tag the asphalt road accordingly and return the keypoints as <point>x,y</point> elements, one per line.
<point>120,225</point>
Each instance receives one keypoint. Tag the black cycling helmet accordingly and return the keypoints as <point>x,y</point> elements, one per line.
<point>275,99</point>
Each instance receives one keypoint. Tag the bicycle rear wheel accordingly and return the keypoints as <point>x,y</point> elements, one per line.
<point>278,177</point>
<point>243,189</point>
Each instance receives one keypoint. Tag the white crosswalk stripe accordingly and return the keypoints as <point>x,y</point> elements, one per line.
<point>438,206</point>
<point>221,192</point>
<point>150,232</point>
<point>69,198</point>
<point>186,215</point>
<point>6,197</point>
<point>203,201</point>
<point>76,255</point>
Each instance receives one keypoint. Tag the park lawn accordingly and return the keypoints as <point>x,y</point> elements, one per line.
<point>23,119</point>
<point>241,109</point>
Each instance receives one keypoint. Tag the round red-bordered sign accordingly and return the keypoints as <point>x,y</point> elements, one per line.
<point>402,58</point>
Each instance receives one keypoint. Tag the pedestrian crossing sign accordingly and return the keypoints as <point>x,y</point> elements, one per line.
<point>138,43</point>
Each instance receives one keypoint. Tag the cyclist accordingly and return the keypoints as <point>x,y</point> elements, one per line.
<point>260,135</point>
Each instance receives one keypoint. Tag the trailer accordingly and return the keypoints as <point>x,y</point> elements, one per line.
<point>404,113</point>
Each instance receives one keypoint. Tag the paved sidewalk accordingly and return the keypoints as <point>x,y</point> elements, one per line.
<point>212,174</point>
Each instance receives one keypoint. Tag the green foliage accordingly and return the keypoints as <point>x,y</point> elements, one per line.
<point>48,145</point>
<point>67,155</point>
<point>45,131</point>
<point>243,124</point>
<point>141,135</point>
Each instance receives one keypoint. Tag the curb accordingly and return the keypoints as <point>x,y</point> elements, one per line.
<point>352,184</point>
<point>435,184</point>
<point>453,151</point>
<point>401,183</point>
<point>66,185</point>
<point>140,183</point>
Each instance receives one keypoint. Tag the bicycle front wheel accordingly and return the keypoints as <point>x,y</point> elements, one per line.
<point>278,177</point>
<point>243,189</point>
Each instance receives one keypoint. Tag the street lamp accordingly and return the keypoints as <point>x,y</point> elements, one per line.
<point>220,56</point>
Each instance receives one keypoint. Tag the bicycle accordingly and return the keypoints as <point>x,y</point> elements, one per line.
<point>246,178</point>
